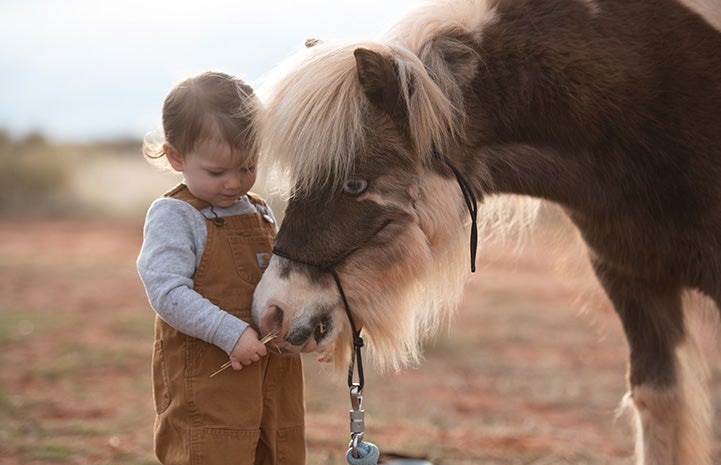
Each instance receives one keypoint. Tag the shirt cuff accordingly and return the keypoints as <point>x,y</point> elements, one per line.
<point>229,332</point>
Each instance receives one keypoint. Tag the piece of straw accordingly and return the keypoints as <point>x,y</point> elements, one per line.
<point>269,337</point>
<point>266,339</point>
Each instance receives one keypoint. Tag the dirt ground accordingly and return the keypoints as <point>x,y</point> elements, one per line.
<point>530,371</point>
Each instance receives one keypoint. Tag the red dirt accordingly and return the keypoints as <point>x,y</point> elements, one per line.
<point>530,371</point>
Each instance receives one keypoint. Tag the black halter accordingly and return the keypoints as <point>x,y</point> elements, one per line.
<point>471,202</point>
<point>330,267</point>
<point>357,339</point>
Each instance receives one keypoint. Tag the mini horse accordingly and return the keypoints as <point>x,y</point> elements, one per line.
<point>609,108</point>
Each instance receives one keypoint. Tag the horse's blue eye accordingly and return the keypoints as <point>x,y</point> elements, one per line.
<point>355,186</point>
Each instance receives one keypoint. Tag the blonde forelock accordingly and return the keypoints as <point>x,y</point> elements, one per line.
<point>314,120</point>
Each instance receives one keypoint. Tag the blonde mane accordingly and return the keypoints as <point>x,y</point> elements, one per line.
<point>313,123</point>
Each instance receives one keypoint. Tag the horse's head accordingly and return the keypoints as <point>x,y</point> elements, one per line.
<point>366,201</point>
<point>354,128</point>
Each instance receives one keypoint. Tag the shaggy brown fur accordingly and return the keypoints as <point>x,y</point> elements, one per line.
<point>609,108</point>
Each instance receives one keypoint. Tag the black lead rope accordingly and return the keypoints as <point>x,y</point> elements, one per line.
<point>356,362</point>
<point>357,425</point>
<point>471,202</point>
<point>356,359</point>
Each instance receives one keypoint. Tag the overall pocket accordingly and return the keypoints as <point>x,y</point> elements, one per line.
<point>214,446</point>
<point>230,401</point>
<point>291,446</point>
<point>161,390</point>
<point>251,255</point>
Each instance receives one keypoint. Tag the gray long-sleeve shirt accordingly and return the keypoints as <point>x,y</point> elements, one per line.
<point>174,238</point>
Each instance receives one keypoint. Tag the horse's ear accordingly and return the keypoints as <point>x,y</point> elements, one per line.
<point>378,78</point>
<point>456,55</point>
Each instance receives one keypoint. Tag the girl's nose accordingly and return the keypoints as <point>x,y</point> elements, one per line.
<point>233,181</point>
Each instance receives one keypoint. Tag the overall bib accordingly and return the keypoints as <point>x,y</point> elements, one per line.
<point>254,416</point>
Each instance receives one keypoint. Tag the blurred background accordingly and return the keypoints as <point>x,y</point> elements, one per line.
<point>82,82</point>
<point>530,371</point>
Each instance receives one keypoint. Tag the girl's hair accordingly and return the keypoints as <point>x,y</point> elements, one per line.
<point>211,104</point>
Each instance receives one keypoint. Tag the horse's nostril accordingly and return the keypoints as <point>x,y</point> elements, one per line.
<point>276,318</point>
<point>272,320</point>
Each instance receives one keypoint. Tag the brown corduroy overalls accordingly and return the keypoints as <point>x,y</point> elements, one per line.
<point>254,416</point>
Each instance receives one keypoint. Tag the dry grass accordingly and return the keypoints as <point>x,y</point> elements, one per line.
<point>520,377</point>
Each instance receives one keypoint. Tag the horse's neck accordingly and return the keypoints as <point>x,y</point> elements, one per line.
<point>558,121</point>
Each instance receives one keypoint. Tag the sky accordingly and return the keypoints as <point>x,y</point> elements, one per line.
<point>88,70</point>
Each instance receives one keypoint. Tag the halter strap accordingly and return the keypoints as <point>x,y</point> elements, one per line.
<point>356,360</point>
<point>471,203</point>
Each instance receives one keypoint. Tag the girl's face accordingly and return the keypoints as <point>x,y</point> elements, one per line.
<point>214,172</point>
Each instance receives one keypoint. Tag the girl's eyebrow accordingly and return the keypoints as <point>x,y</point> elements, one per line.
<point>214,164</point>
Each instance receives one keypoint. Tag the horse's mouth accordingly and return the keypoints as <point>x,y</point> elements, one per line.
<point>323,328</point>
<point>303,340</point>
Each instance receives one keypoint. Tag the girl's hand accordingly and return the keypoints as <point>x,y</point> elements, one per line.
<point>247,350</point>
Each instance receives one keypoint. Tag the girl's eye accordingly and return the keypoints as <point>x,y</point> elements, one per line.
<point>248,169</point>
<point>215,173</point>
<point>355,186</point>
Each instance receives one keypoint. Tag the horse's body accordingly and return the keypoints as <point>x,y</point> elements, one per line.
<point>609,108</point>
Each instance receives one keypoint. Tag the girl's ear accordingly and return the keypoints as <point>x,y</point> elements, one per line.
<point>174,157</point>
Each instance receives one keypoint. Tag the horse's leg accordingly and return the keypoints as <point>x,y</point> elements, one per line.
<point>667,394</point>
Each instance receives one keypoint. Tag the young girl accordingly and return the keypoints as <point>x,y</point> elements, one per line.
<point>206,244</point>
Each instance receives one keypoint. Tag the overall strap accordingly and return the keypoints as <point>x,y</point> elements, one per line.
<point>262,207</point>
<point>256,199</point>
<point>181,192</point>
